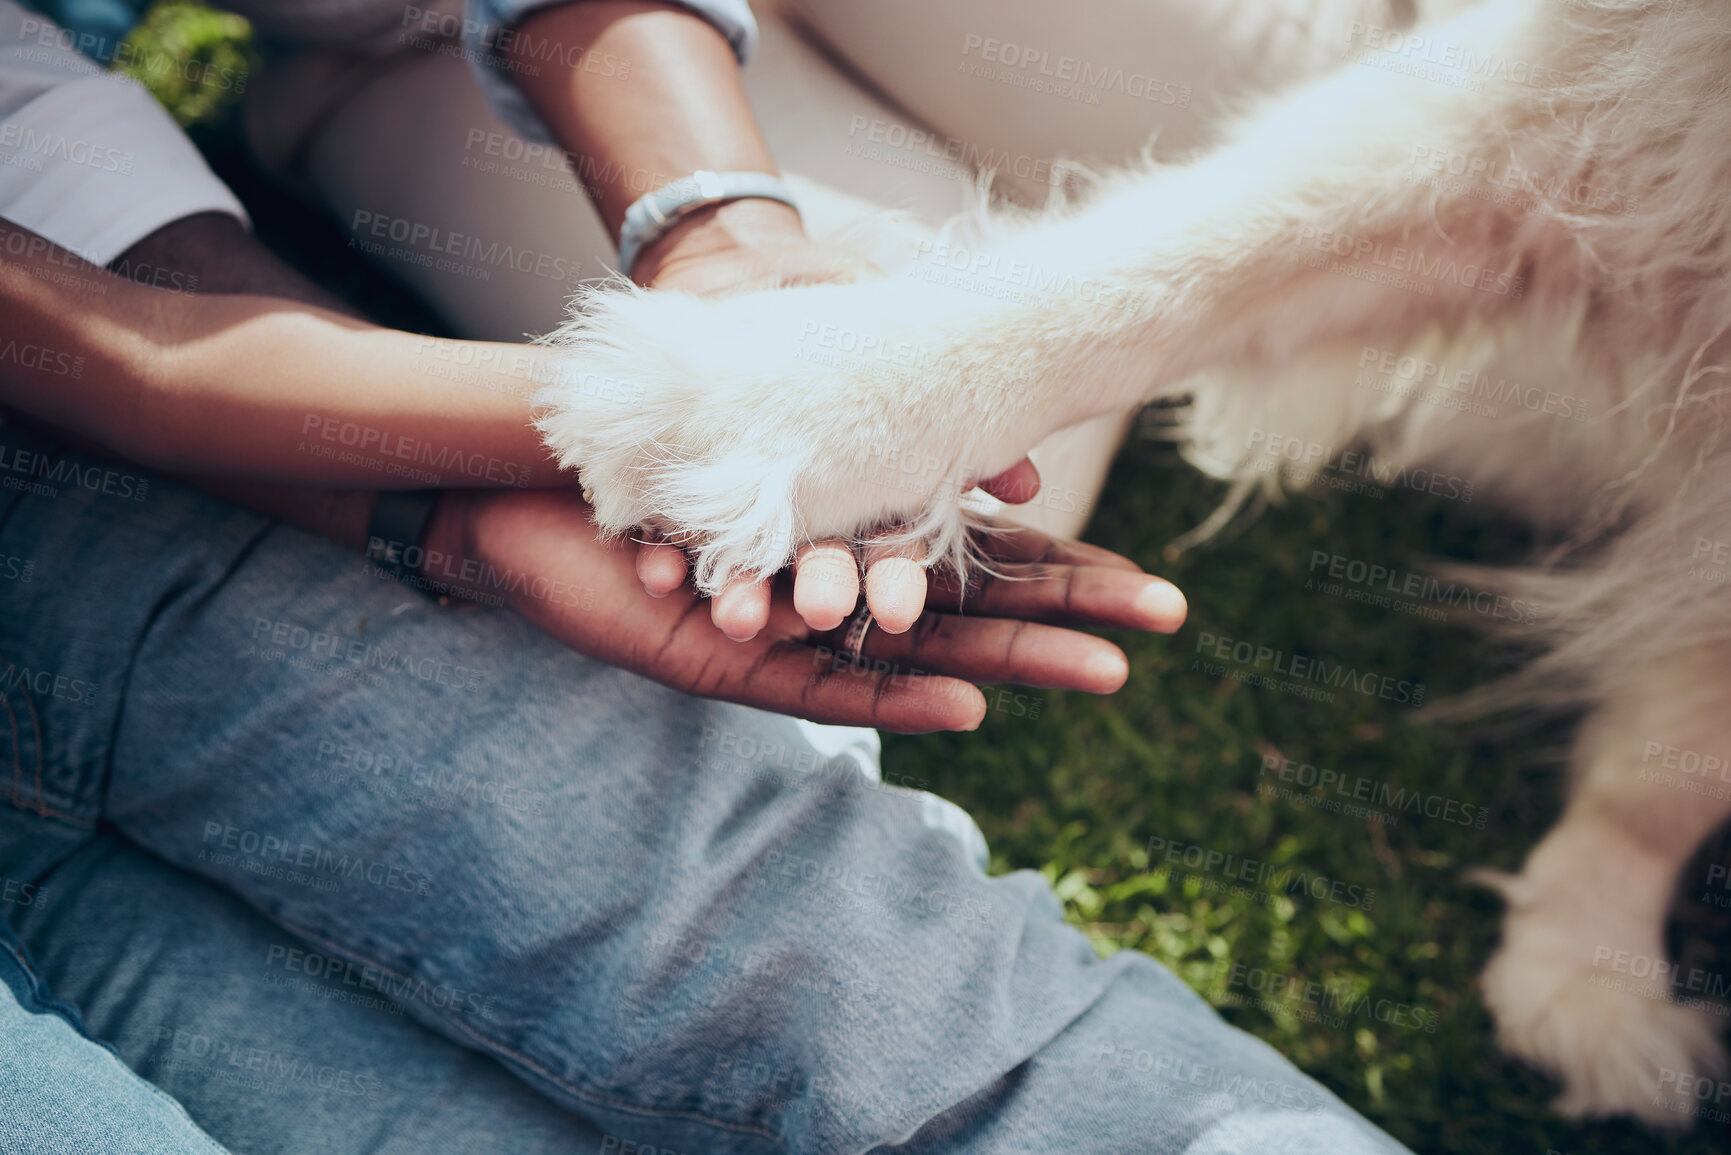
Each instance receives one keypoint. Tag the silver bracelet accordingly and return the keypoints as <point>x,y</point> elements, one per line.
<point>652,214</point>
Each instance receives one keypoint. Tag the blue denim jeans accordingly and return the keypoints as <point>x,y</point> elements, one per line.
<point>295,859</point>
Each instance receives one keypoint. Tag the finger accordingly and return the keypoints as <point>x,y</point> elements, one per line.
<point>876,694</point>
<point>660,567</point>
<point>1007,542</point>
<point>825,584</point>
<point>895,586</point>
<point>1001,650</point>
<point>673,641</point>
<point>1017,484</point>
<point>823,685</point>
<point>741,609</point>
<point>1070,595</point>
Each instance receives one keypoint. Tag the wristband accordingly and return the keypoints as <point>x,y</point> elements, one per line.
<point>652,214</point>
<point>394,531</point>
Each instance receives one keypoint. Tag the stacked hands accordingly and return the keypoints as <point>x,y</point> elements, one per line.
<point>230,378</point>
<point>776,641</point>
<point>1016,625</point>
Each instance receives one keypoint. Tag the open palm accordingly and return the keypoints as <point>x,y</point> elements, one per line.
<point>1018,626</point>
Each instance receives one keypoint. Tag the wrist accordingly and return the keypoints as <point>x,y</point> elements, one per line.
<point>447,545</point>
<point>731,228</point>
<point>474,549</point>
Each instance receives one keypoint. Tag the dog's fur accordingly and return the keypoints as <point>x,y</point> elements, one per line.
<point>752,423</point>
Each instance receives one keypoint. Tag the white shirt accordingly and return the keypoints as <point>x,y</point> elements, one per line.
<point>88,158</point>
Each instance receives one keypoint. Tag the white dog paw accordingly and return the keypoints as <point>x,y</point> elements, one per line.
<point>744,427</point>
<point>1619,1045</point>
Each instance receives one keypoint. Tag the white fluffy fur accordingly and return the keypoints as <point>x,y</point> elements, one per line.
<point>733,423</point>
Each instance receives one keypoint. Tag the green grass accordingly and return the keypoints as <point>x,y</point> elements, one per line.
<point>1178,754</point>
<point>196,60</point>
<point>1078,791</point>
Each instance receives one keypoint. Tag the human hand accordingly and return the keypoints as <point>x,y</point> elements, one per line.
<point>756,244</point>
<point>1016,628</point>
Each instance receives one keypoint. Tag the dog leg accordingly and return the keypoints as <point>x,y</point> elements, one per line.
<point>1581,987</point>
<point>752,423</point>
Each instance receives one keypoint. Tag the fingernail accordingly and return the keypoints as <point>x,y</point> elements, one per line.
<point>1109,666</point>
<point>896,588</point>
<point>1162,604</point>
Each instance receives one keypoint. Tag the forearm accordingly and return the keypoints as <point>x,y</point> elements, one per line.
<point>339,402</point>
<point>258,387</point>
<point>680,107</point>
